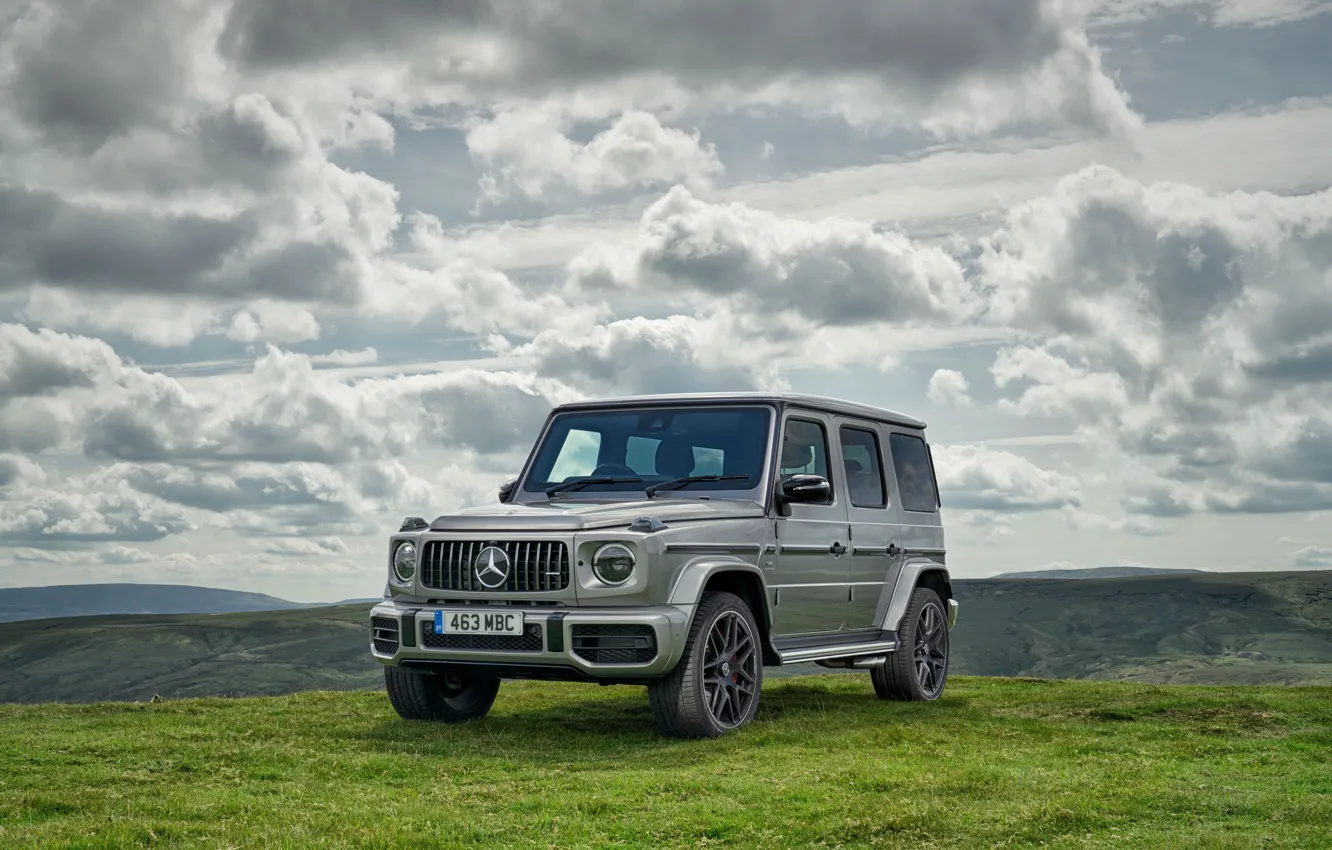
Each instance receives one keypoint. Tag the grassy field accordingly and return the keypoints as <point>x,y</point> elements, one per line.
<point>995,763</point>
<point>1213,628</point>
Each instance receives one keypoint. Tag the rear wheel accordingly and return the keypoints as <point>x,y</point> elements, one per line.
<point>450,696</point>
<point>715,687</point>
<point>918,668</point>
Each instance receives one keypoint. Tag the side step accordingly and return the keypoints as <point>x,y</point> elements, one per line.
<point>872,650</point>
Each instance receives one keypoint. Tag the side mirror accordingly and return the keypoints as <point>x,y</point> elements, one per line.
<point>803,488</point>
<point>506,489</point>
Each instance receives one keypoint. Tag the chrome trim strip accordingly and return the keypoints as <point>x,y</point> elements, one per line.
<point>715,548</point>
<point>832,584</point>
<point>869,550</point>
<point>817,653</point>
<point>910,550</point>
<point>804,549</point>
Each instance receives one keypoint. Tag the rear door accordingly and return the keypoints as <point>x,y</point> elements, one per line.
<point>871,518</point>
<point>809,590</point>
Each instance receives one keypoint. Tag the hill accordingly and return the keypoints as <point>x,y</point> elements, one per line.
<point>1205,628</point>
<point>36,603</point>
<point>1219,628</point>
<point>994,763</point>
<point>1097,572</point>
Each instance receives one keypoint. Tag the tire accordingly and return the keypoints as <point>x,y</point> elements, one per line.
<point>918,669</point>
<point>446,697</point>
<point>707,695</point>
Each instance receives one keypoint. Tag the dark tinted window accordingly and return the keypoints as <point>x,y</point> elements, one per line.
<point>864,473</point>
<point>915,477</point>
<point>656,445</point>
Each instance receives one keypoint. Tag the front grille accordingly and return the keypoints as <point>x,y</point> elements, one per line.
<point>530,641</point>
<point>384,635</point>
<point>615,644</point>
<point>534,566</point>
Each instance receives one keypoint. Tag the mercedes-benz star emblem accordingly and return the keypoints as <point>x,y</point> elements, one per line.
<point>491,567</point>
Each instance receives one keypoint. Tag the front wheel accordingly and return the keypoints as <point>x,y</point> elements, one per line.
<point>715,687</point>
<point>445,697</point>
<point>918,668</point>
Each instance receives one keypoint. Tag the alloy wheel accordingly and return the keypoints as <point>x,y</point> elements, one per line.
<point>730,670</point>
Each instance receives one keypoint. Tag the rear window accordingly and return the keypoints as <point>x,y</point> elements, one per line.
<point>915,473</point>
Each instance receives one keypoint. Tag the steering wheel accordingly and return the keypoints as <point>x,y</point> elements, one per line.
<point>613,469</point>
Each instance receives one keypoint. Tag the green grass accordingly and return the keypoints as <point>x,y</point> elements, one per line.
<point>995,763</point>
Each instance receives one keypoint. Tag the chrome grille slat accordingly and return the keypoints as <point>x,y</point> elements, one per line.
<point>534,565</point>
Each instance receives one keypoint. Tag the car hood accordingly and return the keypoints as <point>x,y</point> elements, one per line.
<point>569,515</point>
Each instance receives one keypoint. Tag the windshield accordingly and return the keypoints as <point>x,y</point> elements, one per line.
<point>654,445</point>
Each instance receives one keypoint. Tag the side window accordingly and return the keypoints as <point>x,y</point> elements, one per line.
<point>578,455</point>
<point>864,473</point>
<point>804,449</point>
<point>915,477</point>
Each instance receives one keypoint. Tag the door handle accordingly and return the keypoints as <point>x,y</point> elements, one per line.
<point>837,548</point>
<point>894,550</point>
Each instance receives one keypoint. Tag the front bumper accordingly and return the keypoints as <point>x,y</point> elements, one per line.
<point>555,649</point>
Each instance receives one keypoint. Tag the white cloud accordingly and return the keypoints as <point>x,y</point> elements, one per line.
<point>978,478</point>
<point>1312,556</point>
<point>269,321</point>
<point>530,154</point>
<point>342,357</point>
<point>948,387</point>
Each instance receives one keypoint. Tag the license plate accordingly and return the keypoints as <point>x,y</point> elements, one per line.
<point>481,623</point>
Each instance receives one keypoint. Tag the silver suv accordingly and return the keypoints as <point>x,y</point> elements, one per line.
<point>683,543</point>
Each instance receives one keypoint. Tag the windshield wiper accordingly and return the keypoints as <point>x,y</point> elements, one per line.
<point>677,483</point>
<point>580,483</point>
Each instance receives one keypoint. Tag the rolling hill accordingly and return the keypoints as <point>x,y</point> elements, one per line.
<point>1212,628</point>
<point>1098,572</point>
<point>79,600</point>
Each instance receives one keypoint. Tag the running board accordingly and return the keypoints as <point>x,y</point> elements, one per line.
<point>823,653</point>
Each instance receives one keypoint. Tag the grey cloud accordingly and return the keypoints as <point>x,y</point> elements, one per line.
<point>97,70</point>
<point>561,43</point>
<point>57,519</point>
<point>836,272</point>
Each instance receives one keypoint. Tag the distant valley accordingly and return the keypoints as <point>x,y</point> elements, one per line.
<point>1201,628</point>
<point>35,603</point>
<point>1099,572</point>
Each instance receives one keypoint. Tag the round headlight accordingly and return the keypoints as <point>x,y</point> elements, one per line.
<point>613,563</point>
<point>404,561</point>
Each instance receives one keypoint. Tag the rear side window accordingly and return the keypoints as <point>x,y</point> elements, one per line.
<point>864,474</point>
<point>915,476</point>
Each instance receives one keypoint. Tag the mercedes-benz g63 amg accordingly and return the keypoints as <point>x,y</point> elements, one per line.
<point>683,543</point>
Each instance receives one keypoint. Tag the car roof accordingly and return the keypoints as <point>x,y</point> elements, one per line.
<point>817,402</point>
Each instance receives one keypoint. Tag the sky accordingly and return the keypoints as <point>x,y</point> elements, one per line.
<point>274,276</point>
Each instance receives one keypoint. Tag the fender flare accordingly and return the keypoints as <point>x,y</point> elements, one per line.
<point>907,579</point>
<point>694,575</point>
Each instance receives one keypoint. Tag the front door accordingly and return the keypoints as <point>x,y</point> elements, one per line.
<point>808,592</point>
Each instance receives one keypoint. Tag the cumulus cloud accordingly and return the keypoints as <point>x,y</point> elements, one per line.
<point>1312,556</point>
<point>531,154</point>
<point>1179,325</point>
<point>1019,61</point>
<point>833,271</point>
<point>949,388</point>
<point>980,478</point>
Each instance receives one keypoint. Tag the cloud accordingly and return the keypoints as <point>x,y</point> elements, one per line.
<point>949,388</point>
<point>1174,324</point>
<point>272,322</point>
<point>1221,13</point>
<point>977,478</point>
<point>342,357</point>
<point>531,155</point>
<point>831,272</point>
<point>970,65</point>
<point>1312,556</point>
